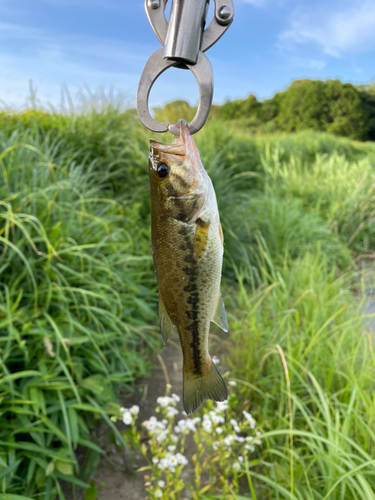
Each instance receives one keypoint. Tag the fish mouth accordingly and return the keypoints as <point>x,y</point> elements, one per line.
<point>182,145</point>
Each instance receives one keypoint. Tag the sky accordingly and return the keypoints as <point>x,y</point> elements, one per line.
<point>87,45</point>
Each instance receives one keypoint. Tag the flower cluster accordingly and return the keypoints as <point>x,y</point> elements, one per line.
<point>219,438</point>
<point>129,414</point>
<point>170,461</point>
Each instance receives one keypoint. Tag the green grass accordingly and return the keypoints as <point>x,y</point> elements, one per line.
<point>77,307</point>
<point>306,362</point>
<point>78,296</point>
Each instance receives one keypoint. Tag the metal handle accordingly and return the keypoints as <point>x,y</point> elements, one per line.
<point>185,30</point>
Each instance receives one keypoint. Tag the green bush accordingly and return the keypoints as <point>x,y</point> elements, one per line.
<point>329,106</point>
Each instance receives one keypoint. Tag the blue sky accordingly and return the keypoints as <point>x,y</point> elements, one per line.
<point>105,43</point>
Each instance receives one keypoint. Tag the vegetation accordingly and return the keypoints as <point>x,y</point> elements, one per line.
<point>331,106</point>
<point>78,299</point>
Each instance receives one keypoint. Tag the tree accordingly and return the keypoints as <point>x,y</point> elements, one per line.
<point>331,106</point>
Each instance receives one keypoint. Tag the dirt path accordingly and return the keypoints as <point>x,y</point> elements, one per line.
<point>117,483</point>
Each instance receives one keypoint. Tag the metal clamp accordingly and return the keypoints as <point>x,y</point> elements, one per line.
<point>184,40</point>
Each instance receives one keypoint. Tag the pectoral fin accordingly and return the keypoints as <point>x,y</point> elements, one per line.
<point>166,325</point>
<point>220,316</point>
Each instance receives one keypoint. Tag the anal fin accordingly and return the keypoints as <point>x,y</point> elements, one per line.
<point>166,325</point>
<point>220,316</point>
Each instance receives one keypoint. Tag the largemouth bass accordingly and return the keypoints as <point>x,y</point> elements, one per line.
<point>187,248</point>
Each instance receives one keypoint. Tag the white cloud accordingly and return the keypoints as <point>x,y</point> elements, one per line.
<point>337,32</point>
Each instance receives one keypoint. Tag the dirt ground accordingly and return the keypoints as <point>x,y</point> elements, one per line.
<point>114,480</point>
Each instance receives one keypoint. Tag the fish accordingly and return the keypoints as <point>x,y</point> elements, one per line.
<point>187,248</point>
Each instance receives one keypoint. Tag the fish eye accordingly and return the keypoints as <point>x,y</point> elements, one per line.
<point>162,170</point>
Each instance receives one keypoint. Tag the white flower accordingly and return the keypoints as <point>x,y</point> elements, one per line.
<point>236,466</point>
<point>155,461</point>
<point>165,421</point>
<point>134,410</point>
<point>173,461</point>
<point>216,360</point>
<point>240,459</point>
<point>217,419</point>
<point>171,448</point>
<point>163,464</point>
<point>153,419</point>
<point>215,445</point>
<point>207,425</point>
<point>165,401</point>
<point>122,409</point>
<point>172,469</point>
<point>172,412</point>
<point>233,383</point>
<point>228,440</point>
<point>127,418</point>
<point>181,459</point>
<point>258,442</point>
<point>221,406</point>
<point>219,430</point>
<point>190,425</point>
<point>235,425</point>
<point>162,436</point>
<point>161,484</point>
<point>249,438</point>
<point>158,493</point>
<point>174,438</point>
<point>249,418</point>
<point>176,398</point>
<point>249,447</point>
<point>258,433</point>
<point>239,439</point>
<point>149,425</point>
<point>147,484</point>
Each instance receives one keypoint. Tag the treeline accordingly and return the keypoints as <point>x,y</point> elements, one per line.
<point>331,106</point>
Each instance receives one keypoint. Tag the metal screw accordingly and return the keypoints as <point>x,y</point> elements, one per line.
<point>225,13</point>
<point>153,4</point>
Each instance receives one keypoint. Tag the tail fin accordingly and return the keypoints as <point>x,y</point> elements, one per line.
<point>208,386</point>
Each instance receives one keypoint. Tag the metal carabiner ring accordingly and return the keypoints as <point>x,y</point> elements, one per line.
<point>155,66</point>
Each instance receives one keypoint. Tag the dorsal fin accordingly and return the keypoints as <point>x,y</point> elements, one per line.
<point>220,316</point>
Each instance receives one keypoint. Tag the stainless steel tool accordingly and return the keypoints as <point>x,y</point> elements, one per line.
<point>184,41</point>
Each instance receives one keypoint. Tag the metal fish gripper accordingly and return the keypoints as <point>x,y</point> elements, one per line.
<point>184,39</point>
